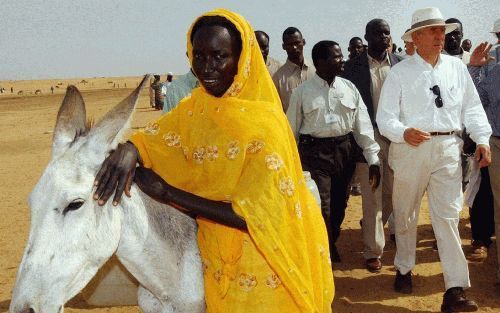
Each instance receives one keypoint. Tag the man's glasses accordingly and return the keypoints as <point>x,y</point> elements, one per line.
<point>437,92</point>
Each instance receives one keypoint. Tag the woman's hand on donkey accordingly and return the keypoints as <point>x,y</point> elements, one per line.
<point>116,174</point>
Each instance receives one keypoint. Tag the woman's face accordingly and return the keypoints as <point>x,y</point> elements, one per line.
<point>215,58</point>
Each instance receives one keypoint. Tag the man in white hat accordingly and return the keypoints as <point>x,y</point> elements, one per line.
<point>409,48</point>
<point>424,104</point>
<point>180,88</point>
<point>170,77</point>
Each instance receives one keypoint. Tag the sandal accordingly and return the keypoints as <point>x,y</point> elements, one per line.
<point>479,252</point>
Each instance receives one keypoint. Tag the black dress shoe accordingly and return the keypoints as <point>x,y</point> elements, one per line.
<point>454,300</point>
<point>403,283</point>
<point>374,265</point>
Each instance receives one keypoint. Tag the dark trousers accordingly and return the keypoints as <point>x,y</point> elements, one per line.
<point>482,218</point>
<point>331,162</point>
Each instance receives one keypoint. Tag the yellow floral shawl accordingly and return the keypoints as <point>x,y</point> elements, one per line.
<point>240,148</point>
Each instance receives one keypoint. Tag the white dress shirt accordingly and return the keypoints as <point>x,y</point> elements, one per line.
<point>321,111</point>
<point>407,100</point>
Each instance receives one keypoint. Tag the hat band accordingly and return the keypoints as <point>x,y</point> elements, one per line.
<point>428,22</point>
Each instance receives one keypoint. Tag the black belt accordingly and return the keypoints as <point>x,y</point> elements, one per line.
<point>442,133</point>
<point>305,139</point>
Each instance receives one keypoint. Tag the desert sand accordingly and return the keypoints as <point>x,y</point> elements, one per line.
<point>26,125</point>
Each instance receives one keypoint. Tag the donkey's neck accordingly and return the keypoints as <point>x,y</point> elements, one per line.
<point>152,242</point>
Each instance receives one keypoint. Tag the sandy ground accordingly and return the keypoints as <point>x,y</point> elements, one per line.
<point>26,124</point>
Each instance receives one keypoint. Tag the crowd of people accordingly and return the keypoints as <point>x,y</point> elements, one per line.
<point>422,120</point>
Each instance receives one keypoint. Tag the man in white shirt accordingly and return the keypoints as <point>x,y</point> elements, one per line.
<point>425,101</point>
<point>327,114</point>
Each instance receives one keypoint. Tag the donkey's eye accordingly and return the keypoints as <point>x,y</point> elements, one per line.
<point>75,205</point>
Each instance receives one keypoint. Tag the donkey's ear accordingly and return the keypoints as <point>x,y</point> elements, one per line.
<point>109,131</point>
<point>70,122</point>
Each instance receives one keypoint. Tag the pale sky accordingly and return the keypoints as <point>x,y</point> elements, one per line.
<point>65,39</point>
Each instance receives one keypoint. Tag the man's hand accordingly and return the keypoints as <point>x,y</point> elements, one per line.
<point>415,136</point>
<point>374,176</point>
<point>481,55</point>
<point>483,155</point>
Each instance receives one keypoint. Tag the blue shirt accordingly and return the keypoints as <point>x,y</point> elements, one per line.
<point>179,89</point>
<point>487,81</point>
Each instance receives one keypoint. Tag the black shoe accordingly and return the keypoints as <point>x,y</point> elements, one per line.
<point>454,300</point>
<point>334,254</point>
<point>402,283</point>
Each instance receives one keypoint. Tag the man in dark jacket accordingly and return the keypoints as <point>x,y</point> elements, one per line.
<point>368,72</point>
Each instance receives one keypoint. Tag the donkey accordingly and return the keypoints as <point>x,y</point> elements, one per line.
<point>71,237</point>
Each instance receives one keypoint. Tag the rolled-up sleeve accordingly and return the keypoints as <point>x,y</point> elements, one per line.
<point>363,132</point>
<point>389,108</point>
<point>473,115</point>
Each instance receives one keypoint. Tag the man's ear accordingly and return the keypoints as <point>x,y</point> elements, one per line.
<point>283,46</point>
<point>304,42</point>
<point>366,37</point>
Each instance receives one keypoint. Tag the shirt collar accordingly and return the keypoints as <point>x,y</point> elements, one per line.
<point>323,83</point>
<point>289,63</point>
<point>386,59</point>
<point>462,52</point>
<point>423,62</point>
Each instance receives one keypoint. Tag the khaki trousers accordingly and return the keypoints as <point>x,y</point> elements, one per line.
<point>377,206</point>
<point>433,167</point>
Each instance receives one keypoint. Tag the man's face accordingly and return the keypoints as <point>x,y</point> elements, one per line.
<point>263,44</point>
<point>453,40</point>
<point>466,45</point>
<point>356,48</point>
<point>333,65</point>
<point>294,45</point>
<point>409,48</point>
<point>429,40</point>
<point>379,36</point>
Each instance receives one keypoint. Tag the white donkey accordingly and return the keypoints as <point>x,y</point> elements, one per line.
<point>71,237</point>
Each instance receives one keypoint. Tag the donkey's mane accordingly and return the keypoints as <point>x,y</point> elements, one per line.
<point>167,222</point>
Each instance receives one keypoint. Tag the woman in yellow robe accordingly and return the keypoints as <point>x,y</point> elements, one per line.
<point>236,146</point>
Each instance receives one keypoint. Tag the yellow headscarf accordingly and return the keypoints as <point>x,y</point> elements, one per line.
<point>240,148</point>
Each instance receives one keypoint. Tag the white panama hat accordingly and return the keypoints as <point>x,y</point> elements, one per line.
<point>427,17</point>
<point>496,27</point>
